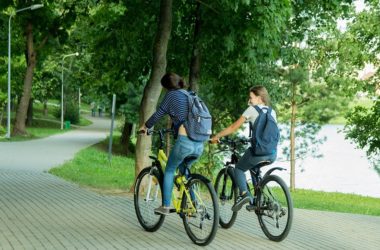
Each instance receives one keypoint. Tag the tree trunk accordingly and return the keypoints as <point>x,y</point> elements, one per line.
<point>126,136</point>
<point>19,128</point>
<point>153,88</point>
<point>194,74</point>
<point>45,111</point>
<point>292,140</point>
<point>29,117</point>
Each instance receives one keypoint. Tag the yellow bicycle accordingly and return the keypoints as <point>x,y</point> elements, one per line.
<point>194,198</point>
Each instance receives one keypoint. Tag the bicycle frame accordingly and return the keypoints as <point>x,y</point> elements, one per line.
<point>160,163</point>
<point>255,173</point>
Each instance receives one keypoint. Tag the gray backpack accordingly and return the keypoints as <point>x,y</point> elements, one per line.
<point>198,122</point>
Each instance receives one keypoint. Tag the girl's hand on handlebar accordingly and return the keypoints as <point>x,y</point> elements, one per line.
<point>214,140</point>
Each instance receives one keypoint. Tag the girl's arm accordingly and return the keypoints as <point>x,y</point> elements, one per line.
<point>229,130</point>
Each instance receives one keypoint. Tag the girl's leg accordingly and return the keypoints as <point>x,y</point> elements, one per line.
<point>182,148</point>
<point>174,161</point>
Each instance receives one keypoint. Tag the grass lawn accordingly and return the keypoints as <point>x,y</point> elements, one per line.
<point>338,202</point>
<point>90,168</point>
<point>43,126</point>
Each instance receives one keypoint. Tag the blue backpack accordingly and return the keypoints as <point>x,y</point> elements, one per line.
<point>198,122</point>
<point>264,133</point>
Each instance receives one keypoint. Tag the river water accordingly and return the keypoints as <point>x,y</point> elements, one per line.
<point>343,168</point>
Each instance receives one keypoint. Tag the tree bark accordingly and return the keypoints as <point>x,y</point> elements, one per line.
<point>29,117</point>
<point>45,111</point>
<point>194,74</point>
<point>292,140</point>
<point>153,89</point>
<point>19,128</point>
<point>126,136</point>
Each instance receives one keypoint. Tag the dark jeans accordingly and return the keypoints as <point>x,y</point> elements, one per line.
<point>246,162</point>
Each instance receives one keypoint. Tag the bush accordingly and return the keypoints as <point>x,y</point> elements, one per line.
<point>71,112</point>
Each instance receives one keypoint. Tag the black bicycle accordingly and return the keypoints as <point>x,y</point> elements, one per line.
<point>272,204</point>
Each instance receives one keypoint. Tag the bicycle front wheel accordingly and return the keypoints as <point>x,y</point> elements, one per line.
<point>226,192</point>
<point>147,197</point>
<point>274,208</point>
<point>200,210</point>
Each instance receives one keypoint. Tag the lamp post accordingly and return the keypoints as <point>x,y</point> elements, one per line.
<point>63,58</point>
<point>32,7</point>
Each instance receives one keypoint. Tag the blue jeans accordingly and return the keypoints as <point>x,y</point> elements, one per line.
<point>183,147</point>
<point>246,162</point>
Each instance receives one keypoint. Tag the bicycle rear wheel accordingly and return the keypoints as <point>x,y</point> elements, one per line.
<point>200,210</point>
<point>147,197</point>
<point>226,192</point>
<point>275,208</point>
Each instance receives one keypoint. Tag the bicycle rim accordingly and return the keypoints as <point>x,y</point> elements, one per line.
<point>226,193</point>
<point>200,212</point>
<point>275,208</point>
<point>147,197</point>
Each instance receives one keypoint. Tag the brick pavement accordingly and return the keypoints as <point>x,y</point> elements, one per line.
<point>41,211</point>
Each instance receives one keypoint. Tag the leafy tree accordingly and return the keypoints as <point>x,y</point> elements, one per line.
<point>305,72</point>
<point>361,46</point>
<point>153,88</point>
<point>53,21</point>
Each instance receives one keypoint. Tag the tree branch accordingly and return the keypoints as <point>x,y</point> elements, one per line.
<point>208,6</point>
<point>43,42</point>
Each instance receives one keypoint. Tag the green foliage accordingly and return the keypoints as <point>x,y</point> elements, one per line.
<point>363,127</point>
<point>306,143</point>
<point>71,112</point>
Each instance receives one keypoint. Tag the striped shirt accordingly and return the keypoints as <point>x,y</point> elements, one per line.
<point>176,105</point>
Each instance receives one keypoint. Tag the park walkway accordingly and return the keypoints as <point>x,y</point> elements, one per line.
<point>41,211</point>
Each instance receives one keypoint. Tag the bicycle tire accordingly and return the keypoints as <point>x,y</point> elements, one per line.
<point>274,203</point>
<point>227,193</point>
<point>145,207</point>
<point>207,210</point>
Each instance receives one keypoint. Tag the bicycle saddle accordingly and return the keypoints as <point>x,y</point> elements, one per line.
<point>263,163</point>
<point>190,158</point>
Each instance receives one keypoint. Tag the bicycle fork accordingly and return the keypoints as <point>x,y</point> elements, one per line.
<point>155,195</point>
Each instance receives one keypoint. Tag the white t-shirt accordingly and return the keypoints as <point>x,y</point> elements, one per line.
<point>251,113</point>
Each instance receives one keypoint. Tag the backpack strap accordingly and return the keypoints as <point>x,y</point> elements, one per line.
<point>258,109</point>
<point>184,91</point>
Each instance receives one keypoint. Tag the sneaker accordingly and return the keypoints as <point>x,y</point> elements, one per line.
<point>252,205</point>
<point>240,201</point>
<point>162,210</point>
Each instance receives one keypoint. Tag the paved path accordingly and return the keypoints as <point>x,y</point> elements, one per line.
<point>42,154</point>
<point>41,211</point>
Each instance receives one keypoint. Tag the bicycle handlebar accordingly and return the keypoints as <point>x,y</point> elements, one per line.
<point>234,142</point>
<point>151,131</point>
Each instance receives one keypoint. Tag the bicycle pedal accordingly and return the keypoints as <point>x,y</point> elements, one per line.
<point>250,207</point>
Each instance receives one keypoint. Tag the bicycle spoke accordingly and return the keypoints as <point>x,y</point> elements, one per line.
<point>148,197</point>
<point>275,208</point>
<point>200,213</point>
<point>226,194</point>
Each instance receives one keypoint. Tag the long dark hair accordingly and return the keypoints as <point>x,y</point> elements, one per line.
<point>172,81</point>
